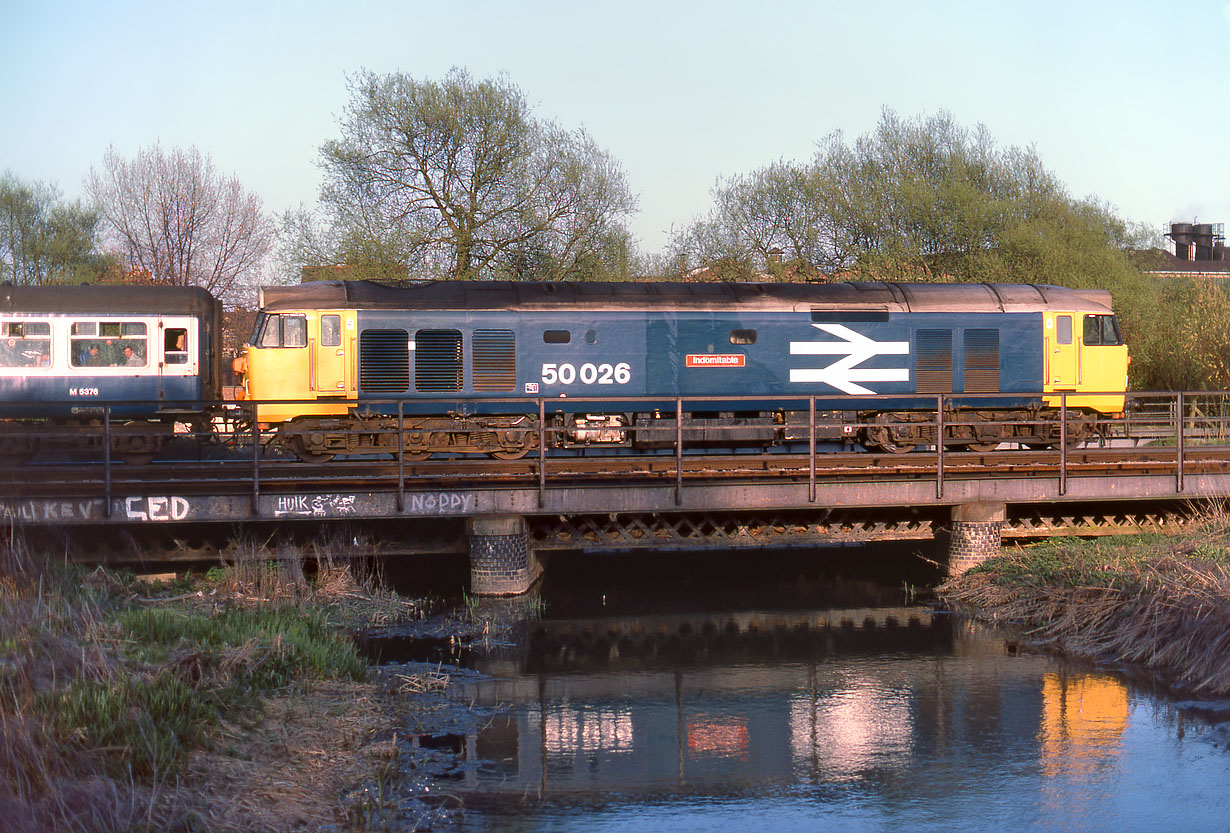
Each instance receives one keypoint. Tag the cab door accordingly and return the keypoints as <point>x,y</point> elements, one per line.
<point>331,353</point>
<point>1062,352</point>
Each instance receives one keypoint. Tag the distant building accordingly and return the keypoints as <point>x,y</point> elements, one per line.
<point>1199,252</point>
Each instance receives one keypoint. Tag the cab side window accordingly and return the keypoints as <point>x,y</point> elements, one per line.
<point>1063,329</point>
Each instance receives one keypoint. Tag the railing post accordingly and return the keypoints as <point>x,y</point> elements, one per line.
<point>542,453</point>
<point>678,451</point>
<point>256,463</point>
<point>1179,444</point>
<point>939,446</point>
<point>1063,443</point>
<point>401,458</point>
<point>811,450</point>
<point>107,461</point>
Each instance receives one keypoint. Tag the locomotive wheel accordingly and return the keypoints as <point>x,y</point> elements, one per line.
<point>137,443</point>
<point>509,455</point>
<point>981,448</point>
<point>896,448</point>
<point>307,455</point>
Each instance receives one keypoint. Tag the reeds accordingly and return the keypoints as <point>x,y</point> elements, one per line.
<point>106,684</point>
<point>1158,602</point>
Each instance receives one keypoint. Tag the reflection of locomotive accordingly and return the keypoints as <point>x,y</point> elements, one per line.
<point>66,352</point>
<point>465,362</point>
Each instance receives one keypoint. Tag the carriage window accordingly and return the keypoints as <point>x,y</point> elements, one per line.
<point>175,345</point>
<point>330,330</point>
<point>25,344</point>
<point>742,336</point>
<point>109,344</point>
<point>1102,330</point>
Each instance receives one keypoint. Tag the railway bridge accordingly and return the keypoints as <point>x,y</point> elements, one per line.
<point>1153,472</point>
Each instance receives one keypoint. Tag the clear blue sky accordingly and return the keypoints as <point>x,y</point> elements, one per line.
<point>1127,101</point>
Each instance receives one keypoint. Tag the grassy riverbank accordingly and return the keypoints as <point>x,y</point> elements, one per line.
<point>231,700</point>
<point>1154,601</point>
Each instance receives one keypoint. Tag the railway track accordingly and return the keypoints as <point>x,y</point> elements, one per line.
<point>238,473</point>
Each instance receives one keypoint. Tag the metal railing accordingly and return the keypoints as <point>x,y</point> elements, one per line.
<point>249,457</point>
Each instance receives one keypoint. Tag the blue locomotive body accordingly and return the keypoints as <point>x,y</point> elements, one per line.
<point>483,359</point>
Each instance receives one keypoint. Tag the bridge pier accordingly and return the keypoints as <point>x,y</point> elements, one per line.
<point>975,535</point>
<point>502,563</point>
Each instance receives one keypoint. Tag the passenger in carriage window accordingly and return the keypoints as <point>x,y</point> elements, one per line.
<point>89,357</point>
<point>131,359</point>
<point>176,346</point>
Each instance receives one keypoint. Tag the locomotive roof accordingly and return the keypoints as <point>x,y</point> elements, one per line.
<point>531,296</point>
<point>107,300</point>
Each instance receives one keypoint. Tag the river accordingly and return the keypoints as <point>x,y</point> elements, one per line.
<point>811,691</point>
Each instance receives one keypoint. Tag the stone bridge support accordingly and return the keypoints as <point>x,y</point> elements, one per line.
<point>502,563</point>
<point>975,535</point>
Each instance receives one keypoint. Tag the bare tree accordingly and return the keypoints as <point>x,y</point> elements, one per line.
<point>458,178</point>
<point>171,217</point>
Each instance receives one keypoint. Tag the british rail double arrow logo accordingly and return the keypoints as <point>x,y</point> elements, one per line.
<point>845,373</point>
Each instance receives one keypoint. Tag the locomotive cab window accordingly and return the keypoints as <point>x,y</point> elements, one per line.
<point>1102,330</point>
<point>742,336</point>
<point>282,331</point>
<point>25,344</point>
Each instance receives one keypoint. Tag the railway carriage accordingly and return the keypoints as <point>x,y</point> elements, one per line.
<point>150,354</point>
<point>465,362</point>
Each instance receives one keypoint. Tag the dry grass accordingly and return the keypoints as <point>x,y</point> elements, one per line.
<point>225,702</point>
<point>1161,603</point>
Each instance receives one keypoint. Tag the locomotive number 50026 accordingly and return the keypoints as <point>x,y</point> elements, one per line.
<point>587,374</point>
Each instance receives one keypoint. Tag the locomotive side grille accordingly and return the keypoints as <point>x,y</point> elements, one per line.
<point>981,361</point>
<point>437,360</point>
<point>495,360</point>
<point>933,362</point>
<point>384,361</point>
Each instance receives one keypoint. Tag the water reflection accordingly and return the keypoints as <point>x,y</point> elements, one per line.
<point>869,716</point>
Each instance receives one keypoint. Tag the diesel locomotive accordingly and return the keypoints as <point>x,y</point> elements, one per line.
<point>473,367</point>
<point>151,355</point>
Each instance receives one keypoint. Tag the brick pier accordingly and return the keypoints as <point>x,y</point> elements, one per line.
<point>502,563</point>
<point>975,535</point>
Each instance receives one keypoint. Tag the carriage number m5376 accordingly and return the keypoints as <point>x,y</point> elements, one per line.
<point>587,374</point>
